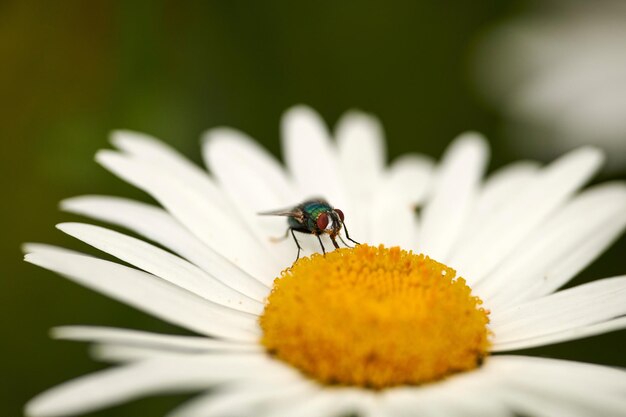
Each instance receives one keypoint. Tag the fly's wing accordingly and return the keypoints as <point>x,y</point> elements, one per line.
<point>290,212</point>
<point>294,212</point>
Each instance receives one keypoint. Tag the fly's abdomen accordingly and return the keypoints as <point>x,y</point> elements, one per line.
<point>294,223</point>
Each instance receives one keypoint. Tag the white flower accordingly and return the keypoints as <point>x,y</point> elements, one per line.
<point>516,238</point>
<point>559,76</point>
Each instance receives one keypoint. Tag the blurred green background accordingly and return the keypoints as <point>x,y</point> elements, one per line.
<point>72,71</point>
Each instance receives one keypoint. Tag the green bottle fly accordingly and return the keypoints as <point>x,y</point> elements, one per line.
<point>314,217</point>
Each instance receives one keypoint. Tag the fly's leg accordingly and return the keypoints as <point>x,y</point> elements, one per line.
<point>319,239</point>
<point>334,241</point>
<point>281,238</point>
<point>295,240</point>
<point>344,242</point>
<point>348,234</point>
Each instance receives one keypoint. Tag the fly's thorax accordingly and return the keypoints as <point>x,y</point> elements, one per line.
<point>313,211</point>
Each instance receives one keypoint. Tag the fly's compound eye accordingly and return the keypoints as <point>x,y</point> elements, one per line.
<point>340,213</point>
<point>322,221</point>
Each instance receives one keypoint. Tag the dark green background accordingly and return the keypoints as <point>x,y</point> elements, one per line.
<point>71,71</point>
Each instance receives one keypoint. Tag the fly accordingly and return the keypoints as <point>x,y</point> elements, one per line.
<point>314,217</point>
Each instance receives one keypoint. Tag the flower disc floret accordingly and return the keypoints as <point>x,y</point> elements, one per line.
<point>374,317</point>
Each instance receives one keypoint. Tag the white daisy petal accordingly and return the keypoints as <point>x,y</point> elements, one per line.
<point>563,336</point>
<point>499,188</point>
<point>569,309</point>
<point>456,185</point>
<point>506,229</point>
<point>450,406</point>
<point>163,265</point>
<point>316,404</point>
<point>531,401</point>
<point>393,219</point>
<point>558,385</point>
<point>119,354</point>
<point>198,212</point>
<point>176,343</point>
<point>244,400</point>
<point>178,374</point>
<point>573,263</point>
<point>310,156</point>
<point>158,155</point>
<point>376,409</point>
<point>408,180</point>
<point>124,353</point>
<point>254,180</point>
<point>160,227</point>
<point>331,402</point>
<point>569,373</point>
<point>394,225</point>
<point>461,395</point>
<point>591,221</point>
<point>146,292</point>
<point>245,170</point>
<point>155,152</point>
<point>361,149</point>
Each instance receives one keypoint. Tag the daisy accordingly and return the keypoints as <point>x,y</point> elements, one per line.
<point>372,330</point>
<point>558,74</point>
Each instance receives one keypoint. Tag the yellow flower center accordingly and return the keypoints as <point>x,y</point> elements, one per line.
<point>374,317</point>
